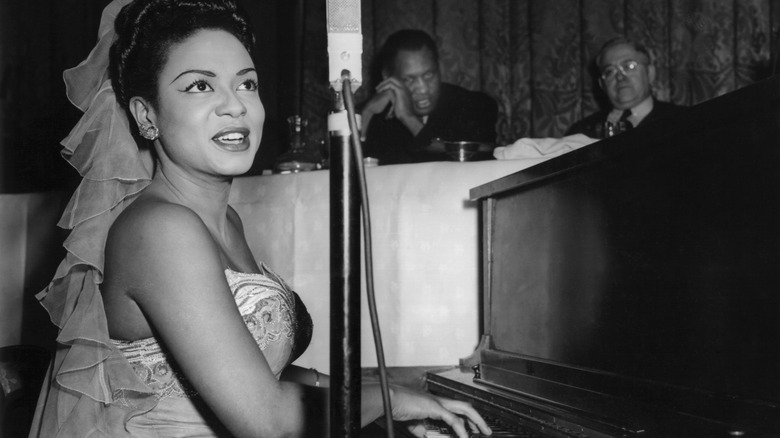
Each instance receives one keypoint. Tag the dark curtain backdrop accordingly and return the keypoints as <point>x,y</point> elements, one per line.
<point>534,56</point>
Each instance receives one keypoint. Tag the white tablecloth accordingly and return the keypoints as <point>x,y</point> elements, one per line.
<point>426,253</point>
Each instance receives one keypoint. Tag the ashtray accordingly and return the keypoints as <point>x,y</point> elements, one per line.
<point>460,150</point>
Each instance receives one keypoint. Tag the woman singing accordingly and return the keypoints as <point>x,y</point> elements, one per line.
<point>168,325</point>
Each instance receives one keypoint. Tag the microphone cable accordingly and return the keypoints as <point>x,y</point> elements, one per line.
<point>358,153</point>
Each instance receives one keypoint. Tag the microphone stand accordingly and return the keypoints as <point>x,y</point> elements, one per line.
<point>345,279</point>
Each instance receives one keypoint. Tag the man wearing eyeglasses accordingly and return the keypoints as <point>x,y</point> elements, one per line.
<point>626,77</point>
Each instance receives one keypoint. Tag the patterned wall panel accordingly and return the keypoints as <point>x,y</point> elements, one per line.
<point>555,61</point>
<point>504,37</point>
<point>646,22</point>
<point>458,30</point>
<point>601,21</point>
<point>753,41</point>
<point>392,15</point>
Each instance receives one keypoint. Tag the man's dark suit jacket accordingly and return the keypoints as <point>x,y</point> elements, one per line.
<point>460,115</point>
<point>593,125</point>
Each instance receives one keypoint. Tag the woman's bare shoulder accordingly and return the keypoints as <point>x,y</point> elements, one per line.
<point>151,248</point>
<point>154,234</point>
<point>153,218</point>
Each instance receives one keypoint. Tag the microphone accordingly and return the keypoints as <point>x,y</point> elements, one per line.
<point>345,43</point>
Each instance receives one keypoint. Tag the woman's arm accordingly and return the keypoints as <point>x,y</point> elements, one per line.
<point>306,376</point>
<point>412,405</point>
<point>408,405</point>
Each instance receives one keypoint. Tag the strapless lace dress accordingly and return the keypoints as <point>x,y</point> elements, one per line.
<point>279,323</point>
<point>101,387</point>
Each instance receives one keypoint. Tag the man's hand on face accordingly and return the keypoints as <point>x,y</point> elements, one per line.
<point>392,91</point>
<point>401,104</point>
<point>374,106</point>
<point>400,97</point>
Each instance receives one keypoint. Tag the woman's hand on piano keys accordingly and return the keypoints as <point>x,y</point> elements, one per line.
<point>409,405</point>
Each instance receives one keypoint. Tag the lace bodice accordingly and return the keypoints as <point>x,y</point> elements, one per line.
<point>273,313</point>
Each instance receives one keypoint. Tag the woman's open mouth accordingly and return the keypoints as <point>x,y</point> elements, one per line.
<point>234,140</point>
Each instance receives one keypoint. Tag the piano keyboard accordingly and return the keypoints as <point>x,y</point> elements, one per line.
<point>437,429</point>
<point>501,428</point>
<point>506,414</point>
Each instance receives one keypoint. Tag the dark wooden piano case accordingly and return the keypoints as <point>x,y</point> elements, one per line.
<point>632,287</point>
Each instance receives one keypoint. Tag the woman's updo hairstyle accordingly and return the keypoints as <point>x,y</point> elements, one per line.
<point>145,31</point>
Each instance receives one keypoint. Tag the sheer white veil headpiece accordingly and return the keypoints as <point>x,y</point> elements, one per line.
<point>94,383</point>
<point>101,147</point>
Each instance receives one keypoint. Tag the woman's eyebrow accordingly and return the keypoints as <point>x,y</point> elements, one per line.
<point>211,74</point>
<point>245,71</point>
<point>201,72</point>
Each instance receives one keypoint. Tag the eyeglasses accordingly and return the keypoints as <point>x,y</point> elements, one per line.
<point>626,68</point>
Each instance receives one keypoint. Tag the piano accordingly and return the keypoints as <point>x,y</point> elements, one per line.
<point>631,288</point>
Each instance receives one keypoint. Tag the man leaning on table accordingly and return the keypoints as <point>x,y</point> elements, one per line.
<point>412,106</point>
<point>626,76</point>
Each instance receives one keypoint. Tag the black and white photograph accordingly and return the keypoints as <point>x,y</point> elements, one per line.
<point>390,218</point>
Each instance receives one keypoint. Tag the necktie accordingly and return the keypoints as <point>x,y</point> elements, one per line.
<point>624,120</point>
<point>615,125</point>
